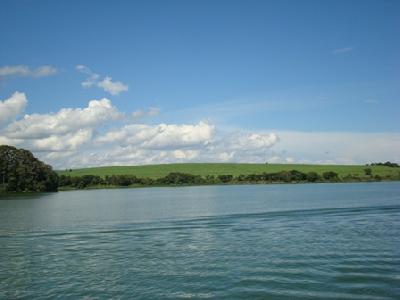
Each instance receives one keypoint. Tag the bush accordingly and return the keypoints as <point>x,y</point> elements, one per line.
<point>313,177</point>
<point>225,178</point>
<point>330,176</point>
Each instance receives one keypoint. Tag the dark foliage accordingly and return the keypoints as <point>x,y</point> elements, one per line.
<point>225,178</point>
<point>20,171</point>
<point>177,178</point>
<point>330,176</point>
<point>387,164</point>
<point>313,177</point>
<point>181,178</point>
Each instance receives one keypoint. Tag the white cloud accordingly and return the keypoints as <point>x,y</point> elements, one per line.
<point>342,50</point>
<point>12,107</point>
<point>161,136</point>
<point>37,126</point>
<point>80,137</point>
<point>25,71</point>
<point>243,146</point>
<point>186,154</point>
<point>226,156</point>
<point>106,84</point>
<point>112,87</point>
<point>67,142</point>
<point>75,137</point>
<point>253,141</point>
<point>167,143</point>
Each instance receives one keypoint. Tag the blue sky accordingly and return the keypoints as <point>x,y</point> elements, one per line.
<point>248,66</point>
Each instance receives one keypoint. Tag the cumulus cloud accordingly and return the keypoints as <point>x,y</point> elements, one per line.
<point>168,143</point>
<point>252,141</point>
<point>37,126</point>
<point>12,107</point>
<point>67,142</point>
<point>99,134</point>
<point>161,136</point>
<point>25,71</point>
<point>75,137</point>
<point>107,84</point>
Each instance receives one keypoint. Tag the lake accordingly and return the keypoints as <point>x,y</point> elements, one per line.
<point>292,241</point>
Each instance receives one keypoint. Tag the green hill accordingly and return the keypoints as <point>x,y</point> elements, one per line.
<point>161,170</point>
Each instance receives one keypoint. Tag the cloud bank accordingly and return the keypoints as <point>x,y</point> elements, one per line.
<point>100,134</point>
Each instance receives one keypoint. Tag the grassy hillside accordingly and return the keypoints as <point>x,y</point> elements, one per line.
<point>156,171</point>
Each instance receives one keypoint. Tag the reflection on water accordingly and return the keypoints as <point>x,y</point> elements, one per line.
<point>314,241</point>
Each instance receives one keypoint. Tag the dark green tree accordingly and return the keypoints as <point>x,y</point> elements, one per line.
<point>21,171</point>
<point>313,177</point>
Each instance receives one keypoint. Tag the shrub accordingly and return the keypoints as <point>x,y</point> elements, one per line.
<point>330,176</point>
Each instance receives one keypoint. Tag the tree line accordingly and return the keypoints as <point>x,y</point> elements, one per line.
<point>177,178</point>
<point>386,164</point>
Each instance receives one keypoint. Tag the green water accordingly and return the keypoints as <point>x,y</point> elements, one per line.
<point>311,241</point>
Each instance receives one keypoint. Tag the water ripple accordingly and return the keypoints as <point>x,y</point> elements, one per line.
<point>338,253</point>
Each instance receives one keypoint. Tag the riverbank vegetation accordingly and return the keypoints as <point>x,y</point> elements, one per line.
<point>222,173</point>
<point>234,169</point>
<point>176,179</point>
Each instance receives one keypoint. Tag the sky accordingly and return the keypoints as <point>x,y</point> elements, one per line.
<point>88,83</point>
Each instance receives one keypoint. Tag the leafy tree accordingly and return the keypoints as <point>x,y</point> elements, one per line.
<point>297,175</point>
<point>313,177</point>
<point>21,171</point>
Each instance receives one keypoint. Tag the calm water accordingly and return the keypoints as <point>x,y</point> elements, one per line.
<point>311,241</point>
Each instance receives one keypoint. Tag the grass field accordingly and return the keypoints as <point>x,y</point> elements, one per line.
<point>156,171</point>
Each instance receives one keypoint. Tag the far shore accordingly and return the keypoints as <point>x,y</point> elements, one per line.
<point>197,174</point>
<point>94,187</point>
<point>208,174</point>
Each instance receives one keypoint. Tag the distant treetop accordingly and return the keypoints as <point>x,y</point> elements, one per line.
<point>387,164</point>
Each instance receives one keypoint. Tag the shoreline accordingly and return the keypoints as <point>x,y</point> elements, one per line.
<point>200,174</point>
<point>89,188</point>
<point>111,187</point>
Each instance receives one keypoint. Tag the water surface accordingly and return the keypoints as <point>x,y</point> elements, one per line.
<point>306,241</point>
